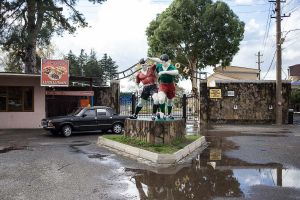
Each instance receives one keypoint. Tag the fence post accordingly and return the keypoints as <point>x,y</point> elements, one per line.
<point>133,100</point>
<point>184,104</point>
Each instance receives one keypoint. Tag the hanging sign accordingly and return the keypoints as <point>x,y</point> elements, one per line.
<point>215,93</point>
<point>55,73</point>
<point>71,93</point>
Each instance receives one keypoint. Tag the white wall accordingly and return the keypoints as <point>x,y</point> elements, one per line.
<point>24,119</point>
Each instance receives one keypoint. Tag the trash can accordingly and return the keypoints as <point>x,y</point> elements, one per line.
<point>290,116</point>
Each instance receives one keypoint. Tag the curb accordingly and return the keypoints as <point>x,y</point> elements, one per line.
<point>168,159</point>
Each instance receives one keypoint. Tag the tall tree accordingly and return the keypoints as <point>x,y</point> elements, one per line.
<point>109,66</point>
<point>82,60</point>
<point>93,68</point>
<point>74,66</point>
<point>12,63</point>
<point>196,33</point>
<point>24,24</point>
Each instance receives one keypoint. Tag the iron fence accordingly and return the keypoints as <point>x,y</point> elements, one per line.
<point>183,106</point>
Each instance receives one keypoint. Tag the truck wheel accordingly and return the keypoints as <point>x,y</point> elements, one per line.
<point>117,128</point>
<point>66,130</point>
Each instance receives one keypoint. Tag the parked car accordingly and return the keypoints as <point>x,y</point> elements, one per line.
<point>88,119</point>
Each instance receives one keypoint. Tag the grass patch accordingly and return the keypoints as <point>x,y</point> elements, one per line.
<point>156,148</point>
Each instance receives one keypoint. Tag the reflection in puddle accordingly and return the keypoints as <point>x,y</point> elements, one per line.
<point>212,175</point>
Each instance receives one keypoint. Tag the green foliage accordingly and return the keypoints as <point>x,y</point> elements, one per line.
<point>109,66</point>
<point>295,99</point>
<point>26,25</point>
<point>90,66</point>
<point>157,148</point>
<point>196,33</point>
<point>74,66</point>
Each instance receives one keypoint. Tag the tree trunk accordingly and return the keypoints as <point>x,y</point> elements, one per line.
<point>30,53</point>
<point>195,92</point>
<point>30,58</point>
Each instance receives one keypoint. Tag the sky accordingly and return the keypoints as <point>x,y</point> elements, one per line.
<point>117,27</point>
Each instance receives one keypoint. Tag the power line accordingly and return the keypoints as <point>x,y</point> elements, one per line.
<point>270,65</point>
<point>267,29</point>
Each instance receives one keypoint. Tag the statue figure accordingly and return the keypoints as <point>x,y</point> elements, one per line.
<point>166,78</point>
<point>147,76</point>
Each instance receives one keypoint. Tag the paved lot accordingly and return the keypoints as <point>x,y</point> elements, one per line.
<point>241,162</point>
<point>35,165</point>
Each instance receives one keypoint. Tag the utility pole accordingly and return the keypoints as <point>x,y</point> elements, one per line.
<point>258,63</point>
<point>278,62</point>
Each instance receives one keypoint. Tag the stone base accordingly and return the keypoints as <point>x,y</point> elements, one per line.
<point>155,132</point>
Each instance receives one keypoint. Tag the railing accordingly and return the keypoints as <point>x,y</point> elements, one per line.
<point>183,106</point>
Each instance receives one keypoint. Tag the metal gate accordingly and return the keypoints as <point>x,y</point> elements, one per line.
<point>183,106</point>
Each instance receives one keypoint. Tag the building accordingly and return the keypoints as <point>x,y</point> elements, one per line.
<point>233,73</point>
<point>24,102</point>
<point>294,73</point>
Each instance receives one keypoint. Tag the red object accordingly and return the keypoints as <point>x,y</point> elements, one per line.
<point>168,89</point>
<point>84,102</point>
<point>55,73</point>
<point>148,78</point>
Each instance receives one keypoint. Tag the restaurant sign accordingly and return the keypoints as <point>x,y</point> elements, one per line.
<point>55,73</point>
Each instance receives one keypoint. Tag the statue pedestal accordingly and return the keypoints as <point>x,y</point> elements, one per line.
<point>155,132</point>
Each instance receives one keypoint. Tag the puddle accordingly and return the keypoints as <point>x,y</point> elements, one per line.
<point>75,149</point>
<point>75,144</point>
<point>212,174</point>
<point>13,148</point>
<point>97,155</point>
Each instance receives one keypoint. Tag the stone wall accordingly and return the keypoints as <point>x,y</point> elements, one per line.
<point>109,96</point>
<point>155,132</point>
<point>253,102</point>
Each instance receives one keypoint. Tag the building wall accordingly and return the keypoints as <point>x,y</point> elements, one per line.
<point>103,96</point>
<point>294,78</point>
<point>253,102</point>
<point>24,119</point>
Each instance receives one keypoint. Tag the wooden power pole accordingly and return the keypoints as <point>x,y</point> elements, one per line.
<point>278,62</point>
<point>258,63</point>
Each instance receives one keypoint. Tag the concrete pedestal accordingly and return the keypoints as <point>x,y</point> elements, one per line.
<point>155,132</point>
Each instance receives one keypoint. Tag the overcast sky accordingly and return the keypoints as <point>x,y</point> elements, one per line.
<point>117,27</point>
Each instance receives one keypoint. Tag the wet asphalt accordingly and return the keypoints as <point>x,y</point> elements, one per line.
<point>240,162</point>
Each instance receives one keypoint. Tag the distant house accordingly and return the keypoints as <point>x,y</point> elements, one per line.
<point>232,73</point>
<point>294,73</point>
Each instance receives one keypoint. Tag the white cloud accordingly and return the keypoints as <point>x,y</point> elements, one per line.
<point>243,2</point>
<point>117,29</point>
<point>252,26</point>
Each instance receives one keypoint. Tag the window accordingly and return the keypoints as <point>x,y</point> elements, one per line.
<point>16,99</point>
<point>90,113</point>
<point>101,112</point>
<point>28,99</point>
<point>3,97</point>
